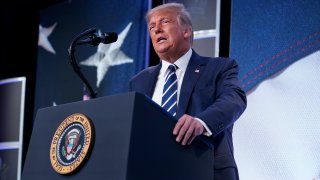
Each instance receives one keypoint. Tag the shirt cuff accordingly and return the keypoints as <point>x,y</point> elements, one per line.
<point>207,130</point>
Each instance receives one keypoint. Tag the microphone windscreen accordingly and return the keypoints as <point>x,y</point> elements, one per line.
<point>110,38</point>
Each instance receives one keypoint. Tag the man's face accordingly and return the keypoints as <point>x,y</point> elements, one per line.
<point>168,37</point>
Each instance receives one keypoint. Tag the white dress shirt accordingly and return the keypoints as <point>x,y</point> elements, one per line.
<point>182,64</point>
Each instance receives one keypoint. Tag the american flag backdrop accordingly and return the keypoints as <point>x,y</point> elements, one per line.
<point>108,67</point>
<point>277,44</point>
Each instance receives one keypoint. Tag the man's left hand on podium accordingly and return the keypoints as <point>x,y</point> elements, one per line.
<point>186,129</point>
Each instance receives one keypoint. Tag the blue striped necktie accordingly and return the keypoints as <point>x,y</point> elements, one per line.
<point>169,94</point>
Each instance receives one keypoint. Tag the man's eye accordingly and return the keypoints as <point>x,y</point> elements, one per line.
<point>165,21</point>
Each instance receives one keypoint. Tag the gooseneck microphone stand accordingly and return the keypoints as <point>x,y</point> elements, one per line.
<point>91,33</point>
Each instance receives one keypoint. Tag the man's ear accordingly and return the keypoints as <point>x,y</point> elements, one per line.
<point>187,32</point>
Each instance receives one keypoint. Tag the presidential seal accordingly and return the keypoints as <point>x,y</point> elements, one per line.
<point>71,144</point>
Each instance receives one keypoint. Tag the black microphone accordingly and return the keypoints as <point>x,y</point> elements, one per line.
<point>105,38</point>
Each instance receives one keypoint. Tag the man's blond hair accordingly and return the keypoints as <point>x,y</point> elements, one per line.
<point>184,17</point>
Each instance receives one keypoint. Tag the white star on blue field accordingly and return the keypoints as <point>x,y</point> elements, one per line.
<point>43,41</point>
<point>108,55</point>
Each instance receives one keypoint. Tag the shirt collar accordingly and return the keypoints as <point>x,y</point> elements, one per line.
<point>182,62</point>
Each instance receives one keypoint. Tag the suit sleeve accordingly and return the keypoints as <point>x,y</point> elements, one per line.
<point>230,101</point>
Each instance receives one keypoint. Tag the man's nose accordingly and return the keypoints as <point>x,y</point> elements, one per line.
<point>157,29</point>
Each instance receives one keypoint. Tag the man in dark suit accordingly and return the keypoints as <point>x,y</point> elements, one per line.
<point>204,94</point>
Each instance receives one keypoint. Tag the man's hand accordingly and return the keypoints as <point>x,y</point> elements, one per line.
<point>187,128</point>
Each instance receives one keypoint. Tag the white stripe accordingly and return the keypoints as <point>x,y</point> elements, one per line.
<point>172,106</point>
<point>169,75</point>
<point>169,87</point>
<point>169,98</point>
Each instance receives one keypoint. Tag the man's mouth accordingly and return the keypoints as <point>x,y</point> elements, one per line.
<point>161,39</point>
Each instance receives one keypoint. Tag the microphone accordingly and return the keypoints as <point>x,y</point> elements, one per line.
<point>105,38</point>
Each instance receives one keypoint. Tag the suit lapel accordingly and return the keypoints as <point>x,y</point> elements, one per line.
<point>194,70</point>
<point>151,81</point>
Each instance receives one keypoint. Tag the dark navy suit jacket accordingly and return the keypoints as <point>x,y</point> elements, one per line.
<point>209,91</point>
